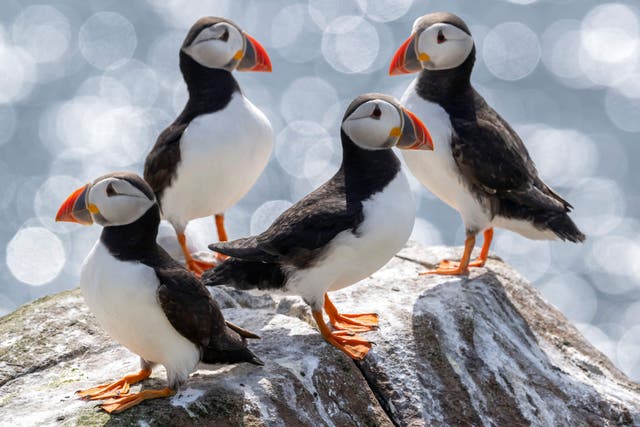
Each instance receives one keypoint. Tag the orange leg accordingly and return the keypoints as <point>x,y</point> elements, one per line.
<point>482,258</point>
<point>461,267</point>
<point>122,403</point>
<point>360,322</point>
<point>114,389</point>
<point>354,346</point>
<point>222,235</point>
<point>196,266</point>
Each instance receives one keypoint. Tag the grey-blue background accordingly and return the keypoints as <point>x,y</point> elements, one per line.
<point>85,87</point>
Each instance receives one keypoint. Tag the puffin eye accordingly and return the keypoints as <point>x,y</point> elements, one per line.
<point>441,37</point>
<point>377,113</point>
<point>225,36</point>
<point>110,190</point>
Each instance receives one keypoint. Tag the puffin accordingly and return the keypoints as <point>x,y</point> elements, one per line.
<point>341,232</point>
<point>142,297</point>
<point>216,149</point>
<point>479,166</point>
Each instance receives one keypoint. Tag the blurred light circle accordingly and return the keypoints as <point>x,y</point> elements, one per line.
<point>598,205</point>
<point>385,10</point>
<point>304,149</point>
<point>602,72</point>
<point>83,239</point>
<point>294,35</point>
<point>307,98</point>
<point>610,32</point>
<point>18,73</point>
<point>599,339</point>
<point>264,216</point>
<point>163,58</point>
<point>625,252</point>
<point>511,51</point>
<point>425,233</point>
<point>324,11</point>
<point>350,44</point>
<point>106,89</point>
<point>7,122</point>
<point>563,290</point>
<point>110,135</point>
<point>623,111</point>
<point>628,352</point>
<point>287,25</point>
<point>140,80</point>
<point>43,31</point>
<point>631,315</point>
<point>107,39</point>
<point>563,156</point>
<point>530,258</point>
<point>560,48</point>
<point>35,256</point>
<point>50,196</point>
<point>184,13</point>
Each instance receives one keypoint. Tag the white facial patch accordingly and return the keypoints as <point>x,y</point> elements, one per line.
<point>446,45</point>
<point>216,46</point>
<point>118,202</point>
<point>371,124</point>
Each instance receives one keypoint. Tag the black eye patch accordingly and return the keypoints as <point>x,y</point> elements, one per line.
<point>377,113</point>
<point>110,190</point>
<point>225,36</point>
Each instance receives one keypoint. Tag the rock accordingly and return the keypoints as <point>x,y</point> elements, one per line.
<point>483,350</point>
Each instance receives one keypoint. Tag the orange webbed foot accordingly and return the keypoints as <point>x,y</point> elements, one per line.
<point>356,322</point>
<point>124,402</point>
<point>449,268</point>
<point>198,267</point>
<point>114,389</point>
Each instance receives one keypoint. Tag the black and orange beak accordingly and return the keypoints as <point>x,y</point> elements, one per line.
<point>76,208</point>
<point>414,135</point>
<point>405,60</point>
<point>255,56</point>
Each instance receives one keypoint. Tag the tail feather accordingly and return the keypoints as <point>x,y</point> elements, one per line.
<point>245,248</point>
<point>237,355</point>
<point>564,227</point>
<point>242,274</point>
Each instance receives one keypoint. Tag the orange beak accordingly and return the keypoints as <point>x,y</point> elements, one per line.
<point>255,57</point>
<point>415,135</point>
<point>75,208</point>
<point>405,60</point>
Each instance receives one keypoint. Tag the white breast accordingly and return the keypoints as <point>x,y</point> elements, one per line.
<point>437,169</point>
<point>387,225</point>
<point>122,296</point>
<point>222,155</point>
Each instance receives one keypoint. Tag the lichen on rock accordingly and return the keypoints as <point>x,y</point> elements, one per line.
<point>482,350</point>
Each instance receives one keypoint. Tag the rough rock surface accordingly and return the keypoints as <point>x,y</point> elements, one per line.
<point>484,350</point>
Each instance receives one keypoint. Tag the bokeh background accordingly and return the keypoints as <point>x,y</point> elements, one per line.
<point>85,88</point>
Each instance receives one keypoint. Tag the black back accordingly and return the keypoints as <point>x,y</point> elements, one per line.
<point>301,234</point>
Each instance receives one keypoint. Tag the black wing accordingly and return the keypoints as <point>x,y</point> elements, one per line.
<point>303,229</point>
<point>493,158</point>
<point>161,162</point>
<point>188,305</point>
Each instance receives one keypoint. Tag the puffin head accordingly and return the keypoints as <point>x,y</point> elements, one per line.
<point>439,41</point>
<point>378,122</point>
<point>219,43</point>
<point>118,198</point>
